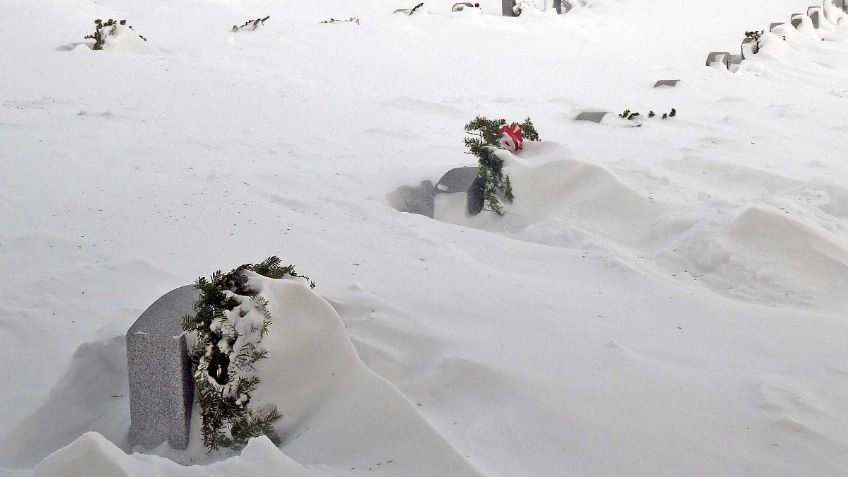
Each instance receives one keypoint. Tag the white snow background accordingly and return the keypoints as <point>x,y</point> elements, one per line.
<point>659,300</point>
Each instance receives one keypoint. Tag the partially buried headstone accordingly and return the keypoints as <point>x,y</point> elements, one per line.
<point>774,25</point>
<point>414,200</point>
<point>507,8</point>
<point>466,180</point>
<point>161,387</point>
<point>749,48</point>
<point>815,14</point>
<point>797,19</point>
<point>593,116</point>
<point>722,57</point>
<point>669,83</point>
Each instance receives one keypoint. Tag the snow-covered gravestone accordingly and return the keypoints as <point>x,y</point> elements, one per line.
<point>749,48</point>
<point>815,14</point>
<point>161,388</point>
<point>507,7</point>
<point>466,180</point>
<point>719,57</point>
<point>797,19</point>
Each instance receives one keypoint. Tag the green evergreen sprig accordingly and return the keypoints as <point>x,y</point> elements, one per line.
<point>484,140</point>
<point>251,25</point>
<point>224,360</point>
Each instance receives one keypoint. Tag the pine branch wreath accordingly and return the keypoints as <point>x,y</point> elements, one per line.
<point>224,358</point>
<point>483,142</point>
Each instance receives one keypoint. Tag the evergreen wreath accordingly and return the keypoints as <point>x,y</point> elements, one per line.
<point>107,28</point>
<point>224,357</point>
<point>484,140</point>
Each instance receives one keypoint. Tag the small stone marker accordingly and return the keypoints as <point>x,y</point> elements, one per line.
<point>668,83</point>
<point>458,7</point>
<point>506,8</point>
<point>466,180</point>
<point>593,116</point>
<point>797,19</point>
<point>774,25</point>
<point>749,48</point>
<point>414,200</point>
<point>815,14</point>
<point>719,56</point>
<point>161,387</point>
<point>735,61</point>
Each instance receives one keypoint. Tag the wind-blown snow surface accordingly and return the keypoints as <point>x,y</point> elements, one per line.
<point>661,300</point>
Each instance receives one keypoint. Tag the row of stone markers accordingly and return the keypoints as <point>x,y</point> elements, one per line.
<point>817,16</point>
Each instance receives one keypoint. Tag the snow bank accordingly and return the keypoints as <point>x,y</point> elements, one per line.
<point>781,251</point>
<point>336,411</point>
<point>92,455</point>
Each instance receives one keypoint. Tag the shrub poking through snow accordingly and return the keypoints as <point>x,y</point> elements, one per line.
<point>230,319</point>
<point>102,30</point>
<point>633,115</point>
<point>487,137</point>
<point>251,25</point>
<point>349,20</point>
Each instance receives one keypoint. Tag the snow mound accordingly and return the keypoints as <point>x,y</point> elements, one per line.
<point>92,455</point>
<point>92,396</point>
<point>336,411</point>
<point>739,232</point>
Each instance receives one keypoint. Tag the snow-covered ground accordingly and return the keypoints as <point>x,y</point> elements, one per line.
<point>659,300</point>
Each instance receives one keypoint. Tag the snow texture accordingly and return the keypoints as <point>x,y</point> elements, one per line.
<point>667,299</point>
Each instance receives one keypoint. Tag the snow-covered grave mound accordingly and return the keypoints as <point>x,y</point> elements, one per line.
<point>336,412</point>
<point>768,240</point>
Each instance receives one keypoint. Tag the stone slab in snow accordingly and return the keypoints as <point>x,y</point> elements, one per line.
<point>797,19</point>
<point>815,14</point>
<point>161,388</point>
<point>719,56</point>
<point>593,116</point>
<point>414,200</point>
<point>467,180</point>
<point>669,83</point>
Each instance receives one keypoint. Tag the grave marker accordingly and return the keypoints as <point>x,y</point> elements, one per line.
<point>161,386</point>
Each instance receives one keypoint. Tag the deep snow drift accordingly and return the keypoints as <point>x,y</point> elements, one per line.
<point>659,300</point>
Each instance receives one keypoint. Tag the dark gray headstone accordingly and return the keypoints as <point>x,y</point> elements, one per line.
<point>465,180</point>
<point>593,116</point>
<point>558,6</point>
<point>506,8</point>
<point>735,60</point>
<point>774,25</point>
<point>719,56</point>
<point>669,83</point>
<point>457,180</point>
<point>161,388</point>
<point>749,48</point>
<point>474,202</point>
<point>815,14</point>
<point>414,200</point>
<point>797,19</point>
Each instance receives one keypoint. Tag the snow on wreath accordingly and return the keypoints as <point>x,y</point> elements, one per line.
<point>229,322</point>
